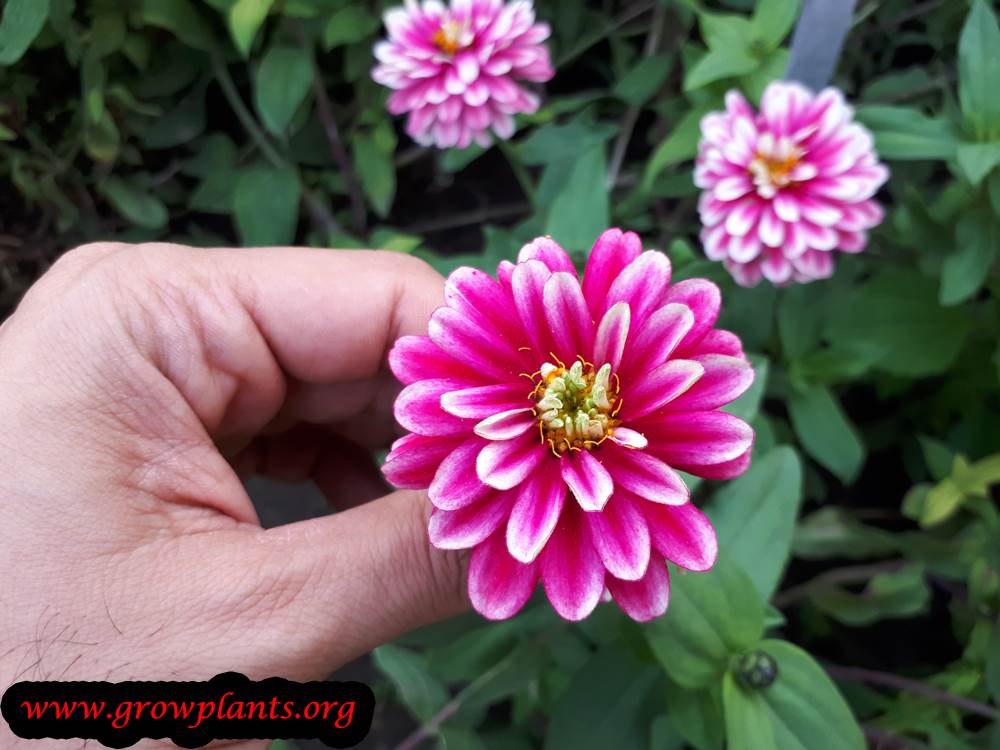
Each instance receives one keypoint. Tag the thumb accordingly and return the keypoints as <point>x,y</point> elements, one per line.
<point>343,584</point>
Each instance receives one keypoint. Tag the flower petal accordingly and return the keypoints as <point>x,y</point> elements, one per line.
<point>567,315</point>
<point>455,483</point>
<point>697,437</point>
<point>484,401</point>
<point>611,253</point>
<point>506,424</point>
<point>704,299</point>
<point>657,339</point>
<point>528,286</point>
<point>645,599</point>
<point>466,527</point>
<point>660,386</point>
<point>609,343</point>
<point>499,585</point>
<point>506,463</point>
<point>587,479</point>
<point>474,347</point>
<point>549,252</point>
<point>414,459</point>
<point>646,476</point>
<point>682,534</point>
<point>642,284</point>
<point>418,408</point>
<point>534,516</point>
<point>628,438</point>
<point>725,380</point>
<point>723,470</point>
<point>414,358</point>
<point>621,538</point>
<point>478,296</point>
<point>572,571</point>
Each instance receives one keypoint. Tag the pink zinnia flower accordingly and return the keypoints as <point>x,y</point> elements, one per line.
<point>786,187</point>
<point>549,419</point>
<point>454,68</point>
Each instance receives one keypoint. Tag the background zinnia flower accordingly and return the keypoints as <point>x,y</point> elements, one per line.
<point>787,187</point>
<point>549,419</point>
<point>455,68</point>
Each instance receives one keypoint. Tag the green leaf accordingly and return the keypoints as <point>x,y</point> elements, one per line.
<point>579,210</point>
<point>640,84</point>
<point>138,206</point>
<point>993,192</point>
<point>747,406</point>
<point>899,593</point>
<point>181,19</point>
<point>552,143</point>
<point>680,145</point>
<point>831,532</point>
<point>894,320</point>
<point>978,159</point>
<point>604,703</point>
<point>416,687</point>
<point>748,719</point>
<point>697,715</point>
<point>245,19</point>
<point>717,64</point>
<point>22,20</point>
<point>266,206</point>
<point>754,516</point>
<point>825,431</point>
<point>977,241</point>
<point>907,133</point>
<point>979,72</point>
<point>807,711</point>
<point>349,25</point>
<point>713,615</point>
<point>372,153</point>
<point>773,19</point>
<point>993,664</point>
<point>800,320</point>
<point>182,124</point>
<point>282,82</point>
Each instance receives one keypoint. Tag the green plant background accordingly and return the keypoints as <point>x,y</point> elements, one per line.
<point>861,552</point>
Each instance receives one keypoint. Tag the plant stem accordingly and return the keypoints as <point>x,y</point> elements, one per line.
<point>465,218</point>
<point>359,214</point>
<point>587,42</point>
<point>874,677</point>
<point>632,113</point>
<point>849,574</point>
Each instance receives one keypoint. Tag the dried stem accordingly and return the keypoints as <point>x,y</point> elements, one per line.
<point>874,677</point>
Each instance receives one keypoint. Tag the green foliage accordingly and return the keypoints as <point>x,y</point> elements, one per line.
<point>868,516</point>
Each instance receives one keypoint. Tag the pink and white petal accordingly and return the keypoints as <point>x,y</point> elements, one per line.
<point>725,379</point>
<point>414,459</point>
<point>506,424</point>
<point>722,470</point>
<point>536,512</point>
<point>609,343</point>
<point>477,295</point>
<point>657,339</point>
<point>645,475</point>
<point>549,252</point>
<point>682,534</point>
<point>486,400</point>
<point>455,482</point>
<point>418,408</point>
<point>697,437</point>
<point>660,386</point>
<point>414,358</point>
<point>719,341</point>
<point>504,464</point>
<point>475,348</point>
<point>776,267</point>
<point>642,284</point>
<point>621,538</point>
<point>587,479</point>
<point>645,599</point>
<point>572,571</point>
<point>627,438</point>
<point>568,316</point>
<point>528,286</point>
<point>611,253</point>
<point>704,299</point>
<point>466,527</point>
<point>499,585</point>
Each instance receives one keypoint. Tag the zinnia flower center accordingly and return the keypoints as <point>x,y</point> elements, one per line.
<point>773,163</point>
<point>452,37</point>
<point>575,406</point>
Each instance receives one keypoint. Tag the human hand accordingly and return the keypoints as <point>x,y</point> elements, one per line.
<point>138,385</point>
